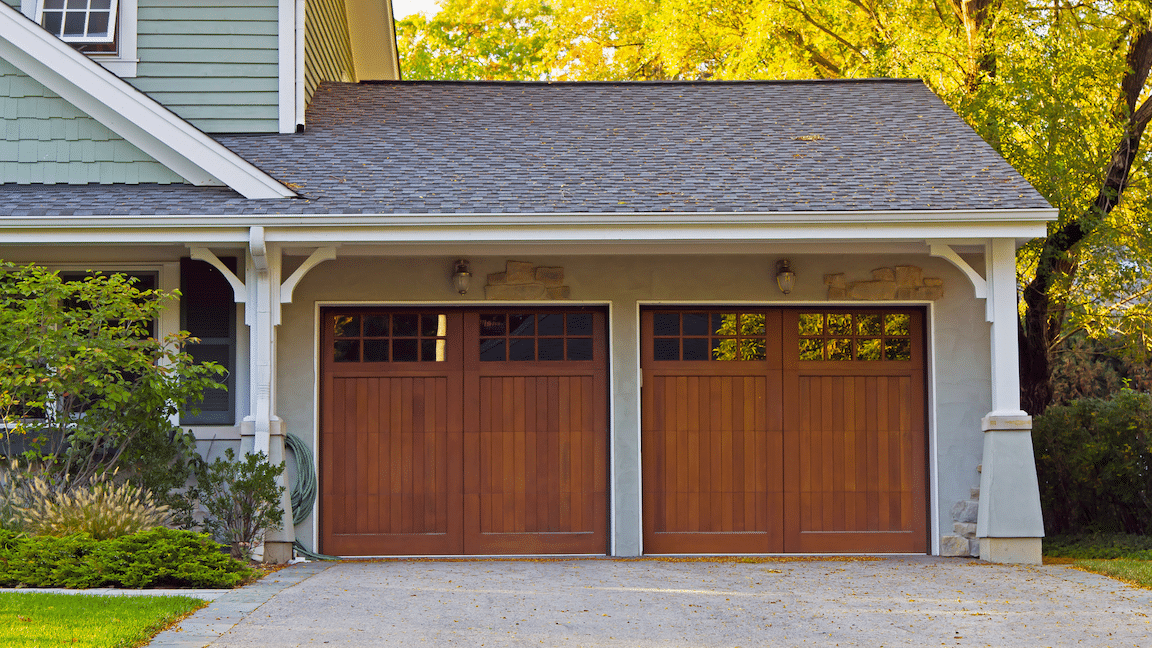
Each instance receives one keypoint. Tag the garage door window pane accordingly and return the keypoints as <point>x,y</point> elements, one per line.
<point>855,336</point>
<point>579,324</point>
<point>550,348</point>
<point>376,326</point>
<point>811,324</point>
<point>492,325</point>
<point>375,350</point>
<point>522,350</point>
<point>579,349</point>
<point>551,324</point>
<point>522,325</point>
<point>404,351</point>
<point>666,324</point>
<point>696,349</point>
<point>404,325</point>
<point>695,324</point>
<point>709,336</point>
<point>346,351</point>
<point>347,326</point>
<point>666,348</point>
<point>492,350</point>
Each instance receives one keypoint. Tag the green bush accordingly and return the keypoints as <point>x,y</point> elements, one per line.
<point>242,500</point>
<point>1094,462</point>
<point>155,558</point>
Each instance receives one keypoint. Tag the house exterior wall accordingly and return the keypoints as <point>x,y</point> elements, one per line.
<point>47,140</point>
<point>327,48</point>
<point>212,62</point>
<point>958,345</point>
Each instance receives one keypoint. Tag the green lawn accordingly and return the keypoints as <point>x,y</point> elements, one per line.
<point>1117,555</point>
<point>34,620</point>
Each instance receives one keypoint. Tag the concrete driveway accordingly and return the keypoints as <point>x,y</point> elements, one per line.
<point>911,601</point>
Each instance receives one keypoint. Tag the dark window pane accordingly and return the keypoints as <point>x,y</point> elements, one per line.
<point>695,324</point>
<point>867,325</point>
<point>492,325</point>
<point>404,351</point>
<point>404,326</point>
<point>551,348</point>
<point>696,349</point>
<point>898,349</point>
<point>74,24</point>
<point>376,326</point>
<point>896,324</point>
<point>101,4</point>
<point>579,348</point>
<point>579,324</point>
<point>840,349</point>
<point>491,350</point>
<point>98,24</point>
<point>53,4</point>
<point>723,349</point>
<point>346,351</point>
<point>666,323</point>
<point>839,324</point>
<point>432,350</point>
<point>77,4</point>
<point>346,326</point>
<point>868,349</point>
<point>724,323</point>
<point>811,324</point>
<point>551,324</point>
<point>812,349</point>
<point>522,325</point>
<point>433,325</point>
<point>375,350</point>
<point>666,348</point>
<point>752,350</point>
<point>522,350</point>
<point>53,21</point>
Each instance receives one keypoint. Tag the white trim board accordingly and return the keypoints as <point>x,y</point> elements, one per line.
<point>128,112</point>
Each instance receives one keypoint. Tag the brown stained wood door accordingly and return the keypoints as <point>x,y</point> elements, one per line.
<point>854,443</point>
<point>711,432</point>
<point>783,430</point>
<point>463,431</point>
<point>391,432</point>
<point>536,430</point>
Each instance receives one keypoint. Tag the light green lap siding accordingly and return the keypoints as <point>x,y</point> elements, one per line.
<point>212,62</point>
<point>49,141</point>
<point>328,51</point>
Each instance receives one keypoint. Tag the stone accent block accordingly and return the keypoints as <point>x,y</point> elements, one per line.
<point>551,277</point>
<point>965,511</point>
<point>523,292</point>
<point>964,529</point>
<point>519,272</point>
<point>954,546</point>
<point>522,281</point>
<point>900,282</point>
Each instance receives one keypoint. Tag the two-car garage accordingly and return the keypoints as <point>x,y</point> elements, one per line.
<point>473,431</point>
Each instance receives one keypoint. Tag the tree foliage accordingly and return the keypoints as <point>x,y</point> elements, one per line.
<point>81,375</point>
<point>1059,88</point>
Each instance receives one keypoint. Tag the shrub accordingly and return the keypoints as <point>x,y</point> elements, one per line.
<point>155,558</point>
<point>1094,462</point>
<point>242,500</point>
<point>100,507</point>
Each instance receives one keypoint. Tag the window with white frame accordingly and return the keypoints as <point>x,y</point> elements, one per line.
<point>80,21</point>
<point>105,30</point>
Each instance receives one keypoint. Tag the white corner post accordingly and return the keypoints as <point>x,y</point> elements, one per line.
<point>262,294</point>
<point>1009,525</point>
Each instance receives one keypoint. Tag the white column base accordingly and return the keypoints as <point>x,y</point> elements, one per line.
<point>277,544</point>
<point>1013,551</point>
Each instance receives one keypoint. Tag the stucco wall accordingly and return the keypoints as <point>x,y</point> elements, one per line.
<point>959,390</point>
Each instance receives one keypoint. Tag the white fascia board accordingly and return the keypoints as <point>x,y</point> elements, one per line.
<point>583,228</point>
<point>286,64</point>
<point>128,112</point>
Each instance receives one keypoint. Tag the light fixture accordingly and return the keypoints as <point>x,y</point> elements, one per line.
<point>461,276</point>
<point>785,278</point>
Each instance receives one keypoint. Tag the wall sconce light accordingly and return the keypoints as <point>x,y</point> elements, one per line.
<point>785,278</point>
<point>461,276</point>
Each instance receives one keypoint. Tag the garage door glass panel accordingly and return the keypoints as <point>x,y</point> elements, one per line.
<point>708,336</point>
<point>854,336</point>
<point>531,337</point>
<point>400,337</point>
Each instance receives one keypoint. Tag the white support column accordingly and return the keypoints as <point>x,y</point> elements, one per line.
<point>1010,524</point>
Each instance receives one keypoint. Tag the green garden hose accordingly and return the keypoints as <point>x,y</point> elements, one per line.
<point>303,491</point>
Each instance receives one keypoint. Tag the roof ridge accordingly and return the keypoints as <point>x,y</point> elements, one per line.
<point>911,80</point>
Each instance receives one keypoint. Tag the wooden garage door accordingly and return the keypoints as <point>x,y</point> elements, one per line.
<point>463,431</point>
<point>783,431</point>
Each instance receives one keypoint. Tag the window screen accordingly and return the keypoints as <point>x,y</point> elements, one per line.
<point>208,312</point>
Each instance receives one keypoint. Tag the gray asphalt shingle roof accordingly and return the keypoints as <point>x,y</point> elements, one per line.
<point>436,147</point>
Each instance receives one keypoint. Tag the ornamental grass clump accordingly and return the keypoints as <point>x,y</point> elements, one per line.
<point>101,508</point>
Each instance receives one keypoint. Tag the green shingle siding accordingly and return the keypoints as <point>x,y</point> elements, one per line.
<point>328,51</point>
<point>211,62</point>
<point>49,141</point>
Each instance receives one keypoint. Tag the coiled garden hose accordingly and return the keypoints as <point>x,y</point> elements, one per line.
<point>303,491</point>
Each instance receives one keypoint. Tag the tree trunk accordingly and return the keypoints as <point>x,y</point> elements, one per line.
<point>1056,266</point>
